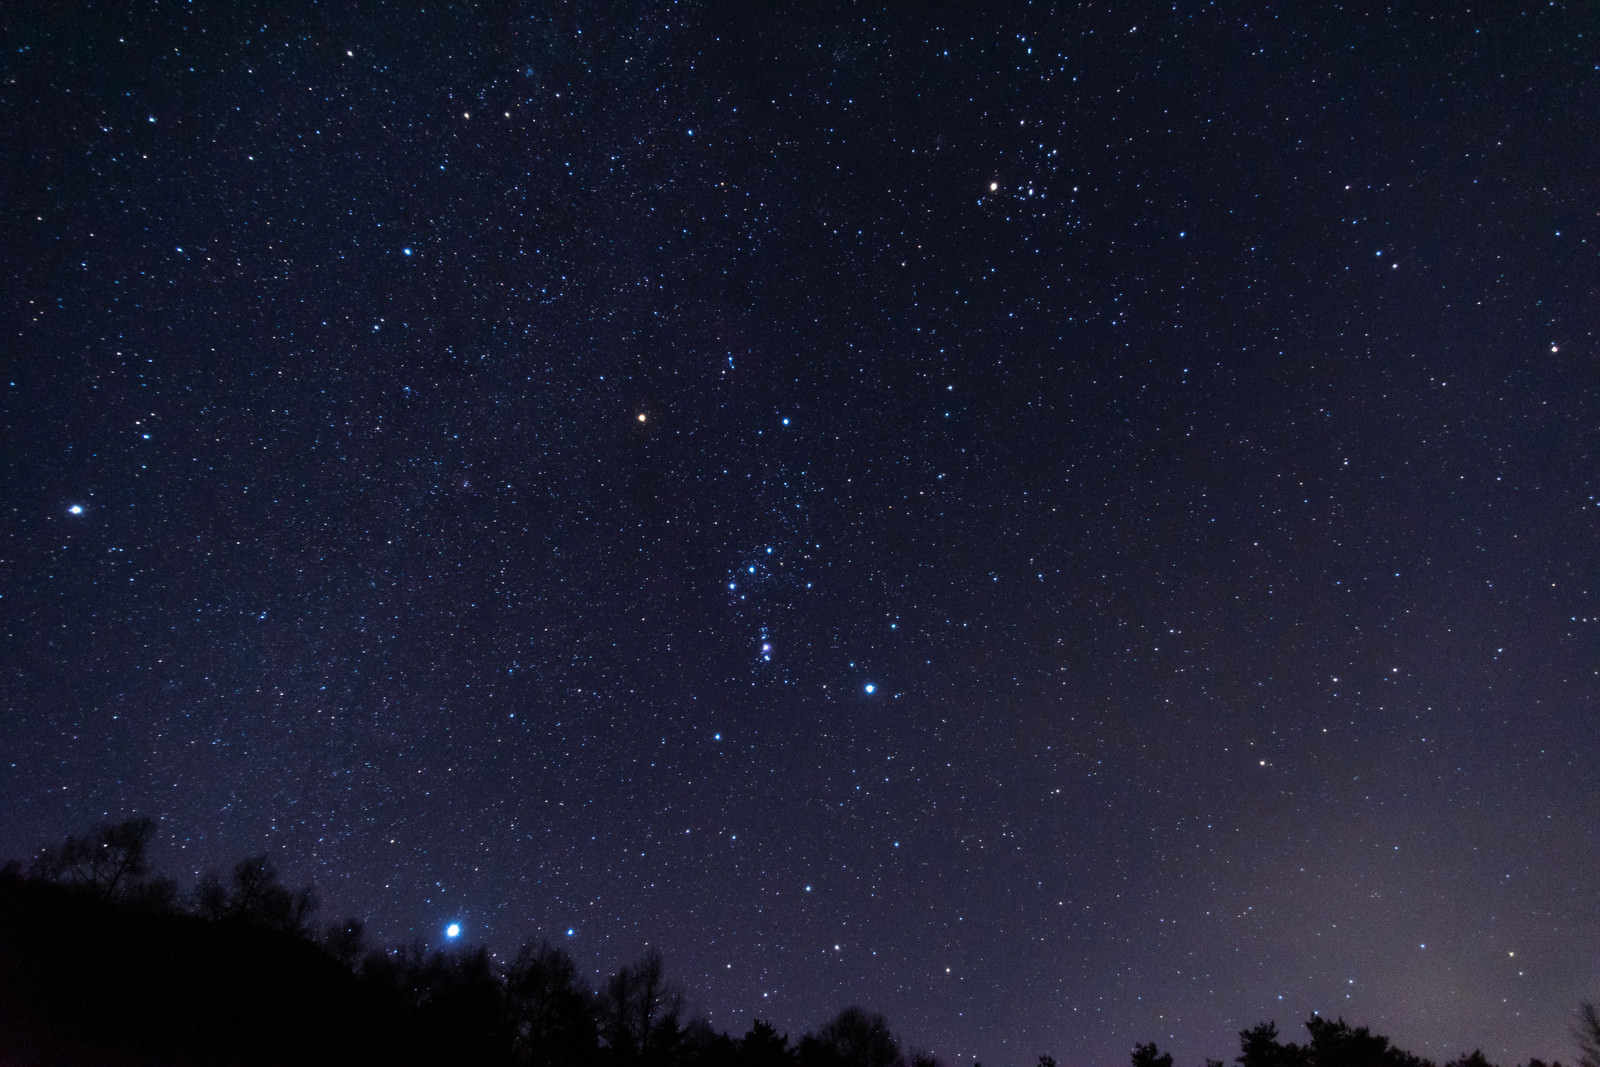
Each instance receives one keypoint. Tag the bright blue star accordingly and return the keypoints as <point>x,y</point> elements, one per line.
<point>870,687</point>
<point>453,931</point>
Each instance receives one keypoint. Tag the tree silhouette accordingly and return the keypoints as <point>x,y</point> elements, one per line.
<point>405,973</point>
<point>703,1046</point>
<point>639,1013</point>
<point>463,1009</point>
<point>1337,1044</point>
<point>455,1003</point>
<point>763,1046</point>
<point>551,1008</point>
<point>853,1038</point>
<point>107,862</point>
<point>1259,1047</point>
<point>1587,1034</point>
<point>256,896</point>
<point>345,940</point>
<point>100,964</point>
<point>1150,1056</point>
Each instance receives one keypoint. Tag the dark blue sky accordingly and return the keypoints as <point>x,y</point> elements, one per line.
<point>1066,526</point>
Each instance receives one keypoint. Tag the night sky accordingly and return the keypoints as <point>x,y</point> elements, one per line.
<point>1066,526</point>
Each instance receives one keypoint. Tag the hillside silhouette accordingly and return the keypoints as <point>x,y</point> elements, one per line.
<point>103,963</point>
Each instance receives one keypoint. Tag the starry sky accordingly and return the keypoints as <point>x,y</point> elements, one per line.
<point>1067,525</point>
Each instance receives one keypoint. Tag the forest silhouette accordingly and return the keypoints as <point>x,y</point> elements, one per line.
<point>104,962</point>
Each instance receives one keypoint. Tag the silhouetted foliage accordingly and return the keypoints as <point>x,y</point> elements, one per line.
<point>551,1008</point>
<point>157,896</point>
<point>1587,1034</point>
<point>108,862</point>
<point>92,980</point>
<point>1259,1047</point>
<point>463,1009</point>
<point>853,1038</point>
<point>640,1014</point>
<point>703,1046</point>
<point>345,940</point>
<point>1337,1044</point>
<point>763,1046</point>
<point>256,896</point>
<point>102,963</point>
<point>1150,1056</point>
